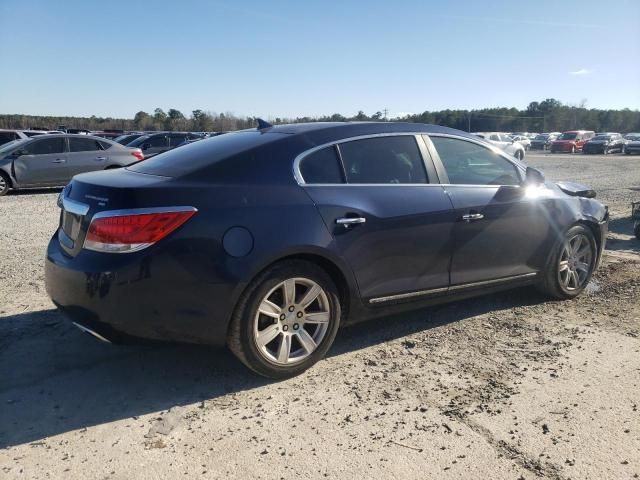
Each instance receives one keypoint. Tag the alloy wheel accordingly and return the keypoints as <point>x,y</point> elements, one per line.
<point>291,321</point>
<point>576,262</point>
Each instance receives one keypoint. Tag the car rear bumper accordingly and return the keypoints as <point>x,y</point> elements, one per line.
<point>146,296</point>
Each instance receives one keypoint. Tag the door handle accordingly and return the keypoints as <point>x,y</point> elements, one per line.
<point>59,160</point>
<point>348,221</point>
<point>471,217</point>
<point>100,159</point>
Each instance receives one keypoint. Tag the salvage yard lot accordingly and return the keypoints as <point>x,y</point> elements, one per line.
<point>504,386</point>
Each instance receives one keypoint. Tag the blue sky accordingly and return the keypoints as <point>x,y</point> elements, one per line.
<point>293,58</point>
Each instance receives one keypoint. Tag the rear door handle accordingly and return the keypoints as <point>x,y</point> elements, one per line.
<point>348,221</point>
<point>472,217</point>
<point>59,160</point>
<point>100,159</point>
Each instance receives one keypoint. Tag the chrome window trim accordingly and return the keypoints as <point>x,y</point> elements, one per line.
<point>434,291</point>
<point>142,211</point>
<point>73,206</point>
<point>300,179</point>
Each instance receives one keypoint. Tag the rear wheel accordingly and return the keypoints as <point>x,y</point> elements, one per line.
<point>571,264</point>
<point>5,184</point>
<point>286,321</point>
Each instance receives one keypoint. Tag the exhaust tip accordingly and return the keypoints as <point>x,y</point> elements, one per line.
<point>91,332</point>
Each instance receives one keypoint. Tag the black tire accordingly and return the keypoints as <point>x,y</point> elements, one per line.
<point>5,184</point>
<point>241,338</point>
<point>551,282</point>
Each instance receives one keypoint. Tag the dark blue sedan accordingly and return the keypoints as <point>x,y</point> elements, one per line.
<point>268,240</point>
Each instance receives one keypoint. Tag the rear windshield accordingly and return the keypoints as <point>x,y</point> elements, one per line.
<point>601,137</point>
<point>192,157</point>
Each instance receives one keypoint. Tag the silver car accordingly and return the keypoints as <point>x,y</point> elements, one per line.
<point>505,142</point>
<point>51,160</point>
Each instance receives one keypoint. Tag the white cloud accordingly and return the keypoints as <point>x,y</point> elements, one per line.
<point>582,71</point>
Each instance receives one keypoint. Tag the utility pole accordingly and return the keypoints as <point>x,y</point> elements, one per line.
<point>386,111</point>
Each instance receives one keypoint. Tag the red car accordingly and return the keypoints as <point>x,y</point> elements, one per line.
<point>571,141</point>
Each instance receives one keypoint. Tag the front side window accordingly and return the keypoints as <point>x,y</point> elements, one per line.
<point>83,145</point>
<point>322,166</point>
<point>46,146</point>
<point>468,163</point>
<point>383,160</point>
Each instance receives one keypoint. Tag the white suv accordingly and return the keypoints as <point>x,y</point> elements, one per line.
<point>505,142</point>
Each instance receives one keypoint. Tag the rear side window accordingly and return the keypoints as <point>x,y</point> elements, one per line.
<point>468,163</point>
<point>383,160</point>
<point>46,146</point>
<point>83,145</point>
<point>322,166</point>
<point>105,145</point>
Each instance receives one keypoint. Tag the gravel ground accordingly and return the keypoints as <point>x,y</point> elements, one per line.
<point>504,386</point>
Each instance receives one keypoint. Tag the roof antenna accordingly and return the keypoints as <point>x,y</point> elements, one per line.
<point>262,125</point>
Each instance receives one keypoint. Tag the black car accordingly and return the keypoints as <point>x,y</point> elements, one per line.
<point>127,138</point>
<point>604,143</point>
<point>154,143</point>
<point>268,240</point>
<point>542,141</point>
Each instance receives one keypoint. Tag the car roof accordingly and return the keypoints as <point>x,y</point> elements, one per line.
<point>330,131</point>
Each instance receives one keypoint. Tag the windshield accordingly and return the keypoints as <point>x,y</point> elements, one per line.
<point>138,141</point>
<point>568,136</point>
<point>201,154</point>
<point>541,137</point>
<point>632,136</point>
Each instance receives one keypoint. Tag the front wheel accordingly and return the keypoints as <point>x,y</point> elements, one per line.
<point>286,321</point>
<point>571,264</point>
<point>5,184</point>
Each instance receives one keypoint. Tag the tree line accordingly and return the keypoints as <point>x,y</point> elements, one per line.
<point>545,116</point>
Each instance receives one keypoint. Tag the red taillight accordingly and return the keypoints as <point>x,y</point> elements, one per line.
<point>129,231</point>
<point>138,154</point>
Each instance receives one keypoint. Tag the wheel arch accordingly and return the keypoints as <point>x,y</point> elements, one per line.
<point>339,273</point>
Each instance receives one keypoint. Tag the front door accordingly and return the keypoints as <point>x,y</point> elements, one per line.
<point>499,228</point>
<point>388,222</point>
<point>44,163</point>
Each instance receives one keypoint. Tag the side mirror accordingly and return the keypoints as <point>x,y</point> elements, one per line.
<point>533,176</point>
<point>19,153</point>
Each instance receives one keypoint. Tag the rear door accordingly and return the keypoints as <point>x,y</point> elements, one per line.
<point>43,164</point>
<point>85,155</point>
<point>499,229</point>
<point>389,223</point>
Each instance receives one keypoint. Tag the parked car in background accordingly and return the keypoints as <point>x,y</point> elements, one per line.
<point>542,141</point>
<point>156,143</point>
<point>522,140</point>
<point>267,240</point>
<point>128,138</point>
<point>631,143</point>
<point>505,142</point>
<point>604,143</point>
<point>7,136</point>
<point>571,141</point>
<point>51,160</point>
